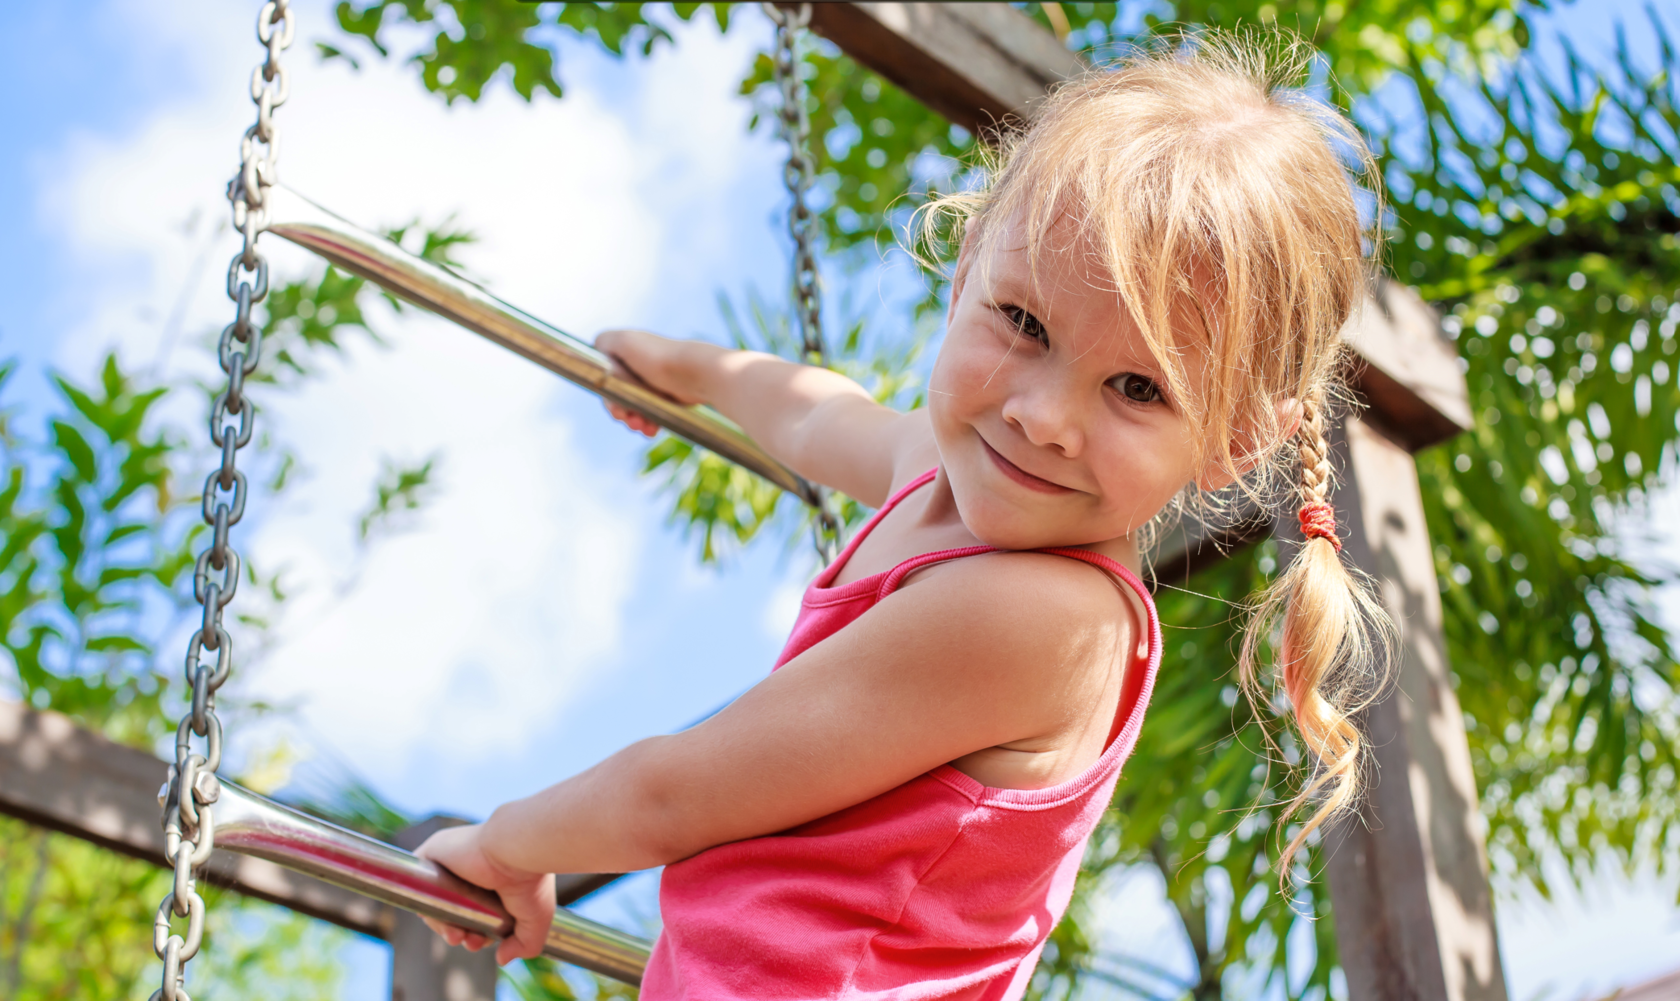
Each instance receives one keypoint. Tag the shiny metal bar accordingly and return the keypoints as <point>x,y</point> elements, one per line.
<point>252,825</point>
<point>452,297</point>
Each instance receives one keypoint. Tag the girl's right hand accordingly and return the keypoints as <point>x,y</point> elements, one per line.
<point>650,360</point>
<point>528,896</point>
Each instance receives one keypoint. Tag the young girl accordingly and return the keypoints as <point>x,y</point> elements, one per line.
<point>1145,306</point>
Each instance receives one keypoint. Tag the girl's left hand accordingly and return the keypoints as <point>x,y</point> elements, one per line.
<point>528,896</point>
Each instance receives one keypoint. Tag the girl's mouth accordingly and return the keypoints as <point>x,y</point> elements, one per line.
<point>1020,475</point>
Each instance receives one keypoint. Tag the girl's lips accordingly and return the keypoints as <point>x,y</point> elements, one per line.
<point>1020,475</point>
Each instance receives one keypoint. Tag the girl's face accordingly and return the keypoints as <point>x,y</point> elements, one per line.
<point>1051,415</point>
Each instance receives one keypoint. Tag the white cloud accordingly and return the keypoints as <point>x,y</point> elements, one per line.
<point>466,633</point>
<point>782,608</point>
<point>473,627</point>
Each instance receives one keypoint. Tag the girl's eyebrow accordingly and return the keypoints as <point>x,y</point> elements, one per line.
<point>1012,288</point>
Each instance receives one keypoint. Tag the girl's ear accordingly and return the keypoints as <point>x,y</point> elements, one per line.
<point>1218,477</point>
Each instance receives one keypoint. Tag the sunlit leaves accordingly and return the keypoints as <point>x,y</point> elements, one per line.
<point>75,922</point>
<point>1545,216</point>
<point>97,544</point>
<point>470,43</point>
<point>726,506</point>
<point>86,553</point>
<point>877,148</point>
<point>400,488</point>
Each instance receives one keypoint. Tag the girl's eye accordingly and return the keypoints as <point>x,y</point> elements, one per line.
<point>1025,323</point>
<point>1137,388</point>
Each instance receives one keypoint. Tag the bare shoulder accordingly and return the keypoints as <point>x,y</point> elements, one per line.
<point>1050,608</point>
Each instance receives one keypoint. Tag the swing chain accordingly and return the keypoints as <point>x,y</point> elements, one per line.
<point>794,124</point>
<point>187,798</point>
<point>797,173</point>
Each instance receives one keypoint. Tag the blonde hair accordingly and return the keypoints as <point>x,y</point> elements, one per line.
<point>1214,190</point>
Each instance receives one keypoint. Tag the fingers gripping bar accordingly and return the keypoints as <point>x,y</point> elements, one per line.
<point>252,825</point>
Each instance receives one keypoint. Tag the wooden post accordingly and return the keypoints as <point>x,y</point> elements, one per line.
<point>423,966</point>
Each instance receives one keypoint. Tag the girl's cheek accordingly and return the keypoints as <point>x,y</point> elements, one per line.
<point>972,365</point>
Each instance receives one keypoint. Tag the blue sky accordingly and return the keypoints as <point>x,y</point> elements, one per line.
<point>539,613</point>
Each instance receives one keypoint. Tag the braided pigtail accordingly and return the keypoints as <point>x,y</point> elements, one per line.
<point>1331,649</point>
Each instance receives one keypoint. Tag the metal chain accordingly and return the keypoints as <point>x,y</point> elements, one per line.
<point>189,824</point>
<point>795,126</point>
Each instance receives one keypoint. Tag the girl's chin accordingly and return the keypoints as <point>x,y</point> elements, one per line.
<point>1003,526</point>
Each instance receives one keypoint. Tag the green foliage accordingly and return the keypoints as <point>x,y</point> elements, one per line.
<point>256,951</point>
<point>720,501</point>
<point>546,980</point>
<point>1363,44</point>
<point>310,315</point>
<point>399,488</point>
<point>75,920</point>
<point>474,41</point>
<point>879,151</point>
<point>86,558</point>
<point>1558,256</point>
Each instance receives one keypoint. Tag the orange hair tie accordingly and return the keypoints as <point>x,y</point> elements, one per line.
<point>1318,521</point>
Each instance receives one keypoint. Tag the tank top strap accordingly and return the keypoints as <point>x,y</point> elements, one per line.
<point>826,577</point>
<point>895,576</point>
<point>891,580</point>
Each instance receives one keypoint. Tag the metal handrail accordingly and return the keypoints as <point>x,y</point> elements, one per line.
<point>440,291</point>
<point>249,824</point>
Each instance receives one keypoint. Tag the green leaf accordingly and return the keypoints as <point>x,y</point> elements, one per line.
<point>76,450</point>
<point>117,644</point>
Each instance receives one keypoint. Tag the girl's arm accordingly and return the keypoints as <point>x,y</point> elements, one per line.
<point>820,424</point>
<point>983,652</point>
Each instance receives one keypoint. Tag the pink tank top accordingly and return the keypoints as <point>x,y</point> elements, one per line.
<point>940,888</point>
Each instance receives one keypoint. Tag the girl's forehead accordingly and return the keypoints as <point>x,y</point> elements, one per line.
<point>1061,257</point>
<point>1058,281</point>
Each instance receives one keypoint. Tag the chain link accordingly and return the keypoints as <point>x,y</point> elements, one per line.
<point>794,123</point>
<point>189,824</point>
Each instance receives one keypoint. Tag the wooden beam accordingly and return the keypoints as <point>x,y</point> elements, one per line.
<point>1408,878</point>
<point>58,775</point>
<point>423,966</point>
<point>64,777</point>
<point>986,63</point>
<point>979,64</point>
<point>1407,371</point>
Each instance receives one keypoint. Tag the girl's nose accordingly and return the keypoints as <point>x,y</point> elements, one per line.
<point>1048,416</point>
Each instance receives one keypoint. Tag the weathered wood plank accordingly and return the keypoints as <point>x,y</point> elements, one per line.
<point>60,776</point>
<point>976,64</point>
